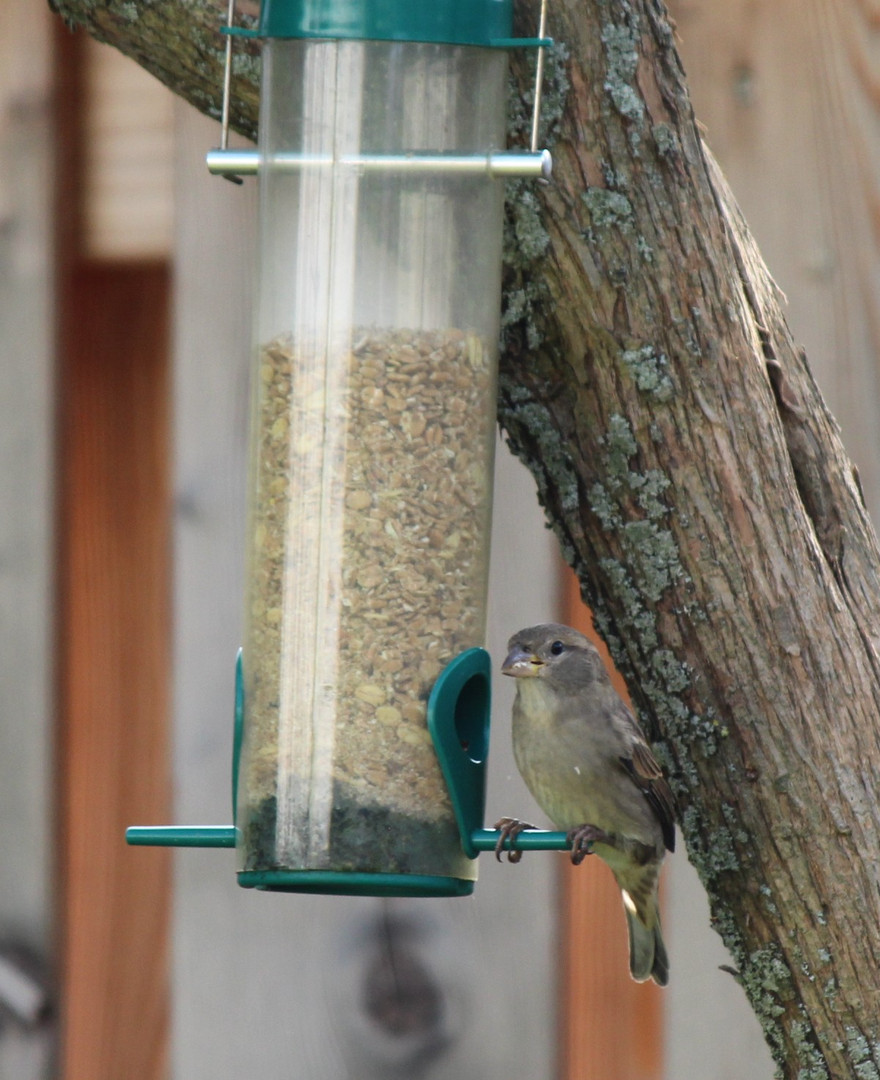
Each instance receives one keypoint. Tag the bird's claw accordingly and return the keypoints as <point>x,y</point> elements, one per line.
<point>510,828</point>
<point>582,838</point>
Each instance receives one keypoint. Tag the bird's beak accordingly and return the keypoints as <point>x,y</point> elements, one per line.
<point>521,664</point>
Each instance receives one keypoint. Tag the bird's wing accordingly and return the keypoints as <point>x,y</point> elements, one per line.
<point>645,772</point>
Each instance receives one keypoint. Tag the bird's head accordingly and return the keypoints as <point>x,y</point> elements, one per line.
<point>556,653</point>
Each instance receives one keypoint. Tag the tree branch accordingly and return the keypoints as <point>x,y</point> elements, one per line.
<point>697,484</point>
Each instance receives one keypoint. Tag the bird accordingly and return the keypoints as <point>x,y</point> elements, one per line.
<point>586,761</point>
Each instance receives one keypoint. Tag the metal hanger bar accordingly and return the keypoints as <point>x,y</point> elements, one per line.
<point>226,162</point>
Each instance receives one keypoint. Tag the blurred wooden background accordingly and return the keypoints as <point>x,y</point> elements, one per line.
<point>116,658</point>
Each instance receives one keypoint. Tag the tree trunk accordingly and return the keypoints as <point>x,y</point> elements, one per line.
<point>697,484</point>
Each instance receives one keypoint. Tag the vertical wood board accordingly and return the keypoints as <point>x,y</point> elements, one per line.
<point>26,481</point>
<point>113,671</point>
<point>787,93</point>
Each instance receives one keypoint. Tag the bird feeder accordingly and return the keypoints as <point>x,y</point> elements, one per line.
<point>380,168</point>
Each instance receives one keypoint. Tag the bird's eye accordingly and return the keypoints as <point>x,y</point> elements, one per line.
<point>556,648</point>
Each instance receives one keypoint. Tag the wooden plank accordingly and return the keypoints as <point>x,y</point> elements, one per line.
<point>788,95</point>
<point>113,635</point>
<point>128,197</point>
<point>114,670</point>
<point>26,537</point>
<point>612,1027</point>
<point>113,576</point>
<point>26,393</point>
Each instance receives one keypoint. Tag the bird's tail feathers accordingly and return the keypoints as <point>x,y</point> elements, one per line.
<point>647,952</point>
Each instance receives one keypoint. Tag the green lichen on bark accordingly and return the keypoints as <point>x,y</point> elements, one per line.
<point>608,209</point>
<point>810,1060</point>
<point>649,368</point>
<point>864,1054</point>
<point>620,43</point>
<point>633,515</point>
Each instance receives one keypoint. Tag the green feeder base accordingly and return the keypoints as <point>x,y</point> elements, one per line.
<point>353,884</point>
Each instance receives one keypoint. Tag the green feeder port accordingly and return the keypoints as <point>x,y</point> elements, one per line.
<point>362,700</point>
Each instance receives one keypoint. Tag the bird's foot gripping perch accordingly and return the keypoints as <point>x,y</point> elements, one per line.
<point>582,838</point>
<point>510,828</point>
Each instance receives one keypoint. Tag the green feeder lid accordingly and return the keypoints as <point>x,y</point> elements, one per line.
<point>453,22</point>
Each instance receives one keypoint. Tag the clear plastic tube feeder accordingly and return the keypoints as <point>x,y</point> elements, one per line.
<point>380,166</point>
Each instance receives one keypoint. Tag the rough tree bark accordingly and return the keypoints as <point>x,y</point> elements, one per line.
<point>699,487</point>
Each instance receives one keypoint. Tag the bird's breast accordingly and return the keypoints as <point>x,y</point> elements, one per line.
<point>572,769</point>
<point>560,767</point>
